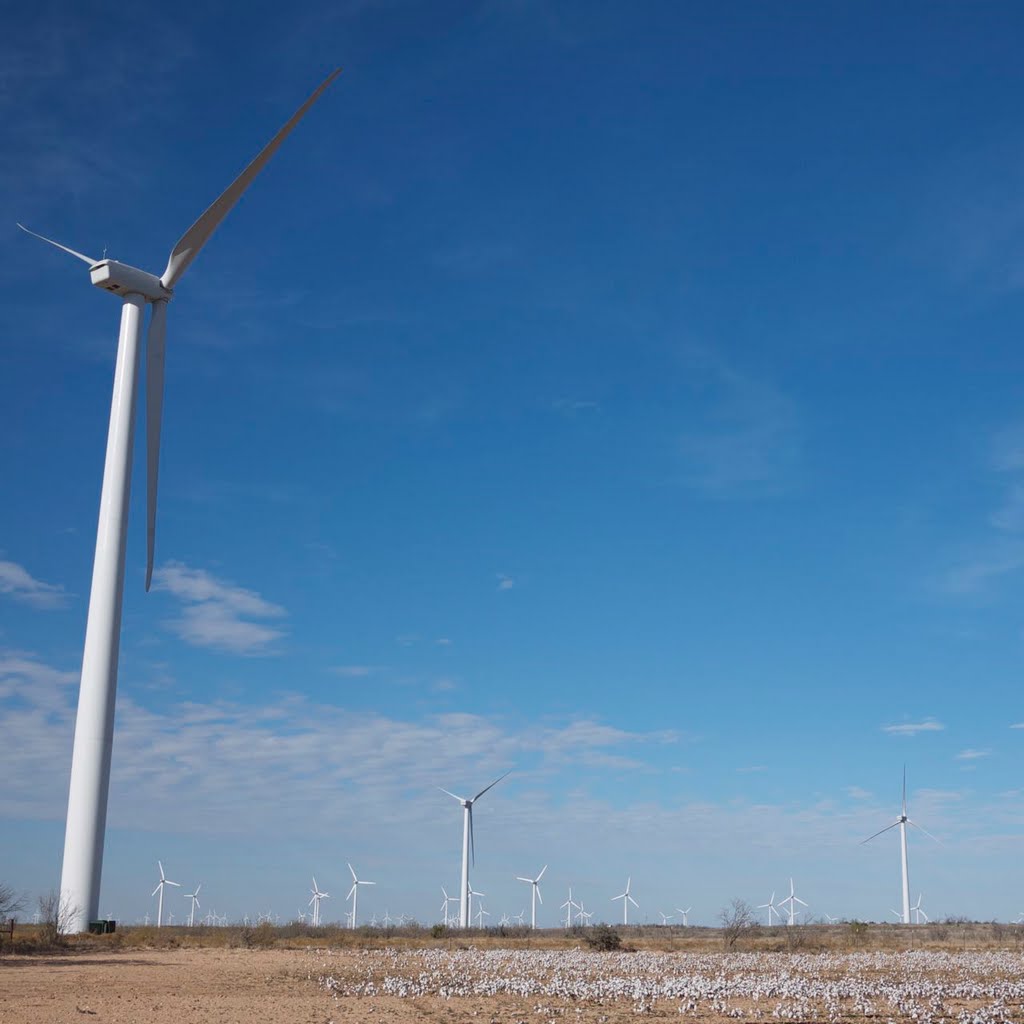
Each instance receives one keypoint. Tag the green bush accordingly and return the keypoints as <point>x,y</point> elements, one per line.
<point>605,939</point>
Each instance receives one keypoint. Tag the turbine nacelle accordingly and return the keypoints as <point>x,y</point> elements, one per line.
<point>121,279</point>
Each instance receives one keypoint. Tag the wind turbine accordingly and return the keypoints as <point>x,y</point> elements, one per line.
<point>665,918</point>
<point>194,897</point>
<point>568,906</point>
<point>916,908</point>
<point>903,821</point>
<point>626,900</point>
<point>468,844</point>
<point>472,892</point>
<point>481,914</point>
<point>831,919</point>
<point>534,894</point>
<point>771,908</point>
<point>792,899</point>
<point>315,902</point>
<point>353,893</point>
<point>685,915</point>
<point>164,880</point>
<point>90,762</point>
<point>444,906</point>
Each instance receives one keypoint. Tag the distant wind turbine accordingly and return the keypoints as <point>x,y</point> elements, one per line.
<point>902,822</point>
<point>164,881</point>
<point>568,906</point>
<point>665,918</point>
<point>353,893</point>
<point>468,845</point>
<point>626,900</point>
<point>792,899</point>
<point>315,902</point>
<point>93,744</point>
<point>444,906</point>
<point>771,908</point>
<point>916,908</point>
<point>194,897</point>
<point>534,893</point>
<point>685,915</point>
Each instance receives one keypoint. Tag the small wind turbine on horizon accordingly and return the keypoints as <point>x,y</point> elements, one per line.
<point>568,906</point>
<point>792,899</point>
<point>534,894</point>
<point>444,906</point>
<point>665,918</point>
<point>353,893</point>
<point>902,822</point>
<point>468,846</point>
<point>626,900</point>
<point>164,881</point>
<point>194,897</point>
<point>93,743</point>
<point>916,908</point>
<point>771,908</point>
<point>315,902</point>
<point>471,894</point>
<point>685,915</point>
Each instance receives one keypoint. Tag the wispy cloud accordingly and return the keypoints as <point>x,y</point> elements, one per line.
<point>572,407</point>
<point>1017,725</point>
<point>913,728</point>
<point>972,755</point>
<point>18,583</point>
<point>857,793</point>
<point>505,582</point>
<point>748,440</point>
<point>217,614</point>
<point>355,671</point>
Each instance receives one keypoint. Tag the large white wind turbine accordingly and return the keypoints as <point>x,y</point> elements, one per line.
<point>902,822</point>
<point>534,894</point>
<point>626,900</point>
<point>194,897</point>
<point>353,893</point>
<point>792,899</point>
<point>164,881</point>
<point>684,914</point>
<point>468,845</point>
<point>90,761</point>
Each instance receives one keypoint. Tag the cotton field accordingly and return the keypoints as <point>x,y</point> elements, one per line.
<point>925,987</point>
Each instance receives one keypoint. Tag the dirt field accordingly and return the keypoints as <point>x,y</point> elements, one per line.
<point>476,986</point>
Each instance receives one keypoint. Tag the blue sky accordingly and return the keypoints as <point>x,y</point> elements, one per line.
<point>628,398</point>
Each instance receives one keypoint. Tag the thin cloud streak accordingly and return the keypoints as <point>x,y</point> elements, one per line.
<point>913,728</point>
<point>19,584</point>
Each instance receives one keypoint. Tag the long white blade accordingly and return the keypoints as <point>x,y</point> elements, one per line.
<point>70,252</point>
<point>542,870</point>
<point>352,890</point>
<point>353,870</point>
<point>492,785</point>
<point>198,887</point>
<point>169,882</point>
<point>519,878</point>
<point>925,831</point>
<point>539,897</point>
<point>878,833</point>
<point>633,901</point>
<point>197,236</point>
<point>155,348</point>
<point>157,889</point>
<point>452,795</point>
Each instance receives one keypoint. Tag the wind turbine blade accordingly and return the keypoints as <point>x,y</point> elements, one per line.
<point>925,831</point>
<point>452,795</point>
<point>197,236</point>
<point>354,879</point>
<point>160,865</point>
<point>155,348</point>
<point>367,883</point>
<point>70,252</point>
<point>539,897</point>
<point>800,901</point>
<point>519,878</point>
<point>542,870</point>
<point>633,901</point>
<point>169,882</point>
<point>491,786</point>
<point>352,890</point>
<point>157,889</point>
<point>878,833</point>
<point>904,791</point>
<point>198,887</point>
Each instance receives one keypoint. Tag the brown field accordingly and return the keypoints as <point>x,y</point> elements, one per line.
<point>957,973</point>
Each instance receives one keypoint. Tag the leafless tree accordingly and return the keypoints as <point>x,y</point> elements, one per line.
<point>736,919</point>
<point>11,902</point>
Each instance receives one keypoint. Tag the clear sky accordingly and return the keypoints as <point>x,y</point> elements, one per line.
<point>630,396</point>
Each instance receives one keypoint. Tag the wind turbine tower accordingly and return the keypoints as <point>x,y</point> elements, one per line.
<point>468,846</point>
<point>626,900</point>
<point>902,822</point>
<point>353,893</point>
<point>534,894</point>
<point>94,725</point>
<point>164,881</point>
<point>194,897</point>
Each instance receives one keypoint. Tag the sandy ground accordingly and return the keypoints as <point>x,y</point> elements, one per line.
<point>212,986</point>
